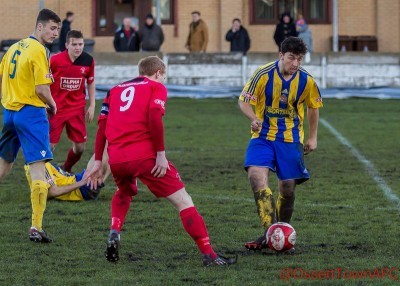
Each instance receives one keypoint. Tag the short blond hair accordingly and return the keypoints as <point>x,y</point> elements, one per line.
<point>150,65</point>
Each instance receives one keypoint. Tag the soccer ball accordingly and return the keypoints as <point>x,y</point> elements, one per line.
<point>281,237</point>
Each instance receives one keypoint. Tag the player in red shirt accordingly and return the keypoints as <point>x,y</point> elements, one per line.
<point>131,122</point>
<point>71,69</point>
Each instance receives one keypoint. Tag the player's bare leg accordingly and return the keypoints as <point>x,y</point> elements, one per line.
<point>39,192</point>
<point>265,203</point>
<point>5,168</point>
<point>194,225</point>
<point>74,154</point>
<point>285,201</point>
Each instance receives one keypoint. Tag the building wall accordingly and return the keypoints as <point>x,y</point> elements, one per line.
<point>379,18</point>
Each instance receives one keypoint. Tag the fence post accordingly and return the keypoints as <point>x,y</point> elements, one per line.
<point>244,70</point>
<point>323,71</point>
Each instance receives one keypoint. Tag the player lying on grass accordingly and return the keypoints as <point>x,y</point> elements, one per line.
<point>65,186</point>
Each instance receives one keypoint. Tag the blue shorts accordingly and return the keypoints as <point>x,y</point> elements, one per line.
<point>286,159</point>
<point>27,128</point>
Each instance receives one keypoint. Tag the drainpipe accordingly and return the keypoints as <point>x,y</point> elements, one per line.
<point>335,36</point>
<point>158,12</point>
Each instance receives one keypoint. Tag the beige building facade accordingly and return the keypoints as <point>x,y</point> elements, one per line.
<point>98,19</point>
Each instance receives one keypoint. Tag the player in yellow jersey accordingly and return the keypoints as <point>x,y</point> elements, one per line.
<point>65,186</point>
<point>273,100</point>
<point>25,89</point>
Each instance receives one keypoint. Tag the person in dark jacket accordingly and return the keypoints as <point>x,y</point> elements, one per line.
<point>238,36</point>
<point>151,35</point>
<point>65,28</point>
<point>284,29</point>
<point>126,39</point>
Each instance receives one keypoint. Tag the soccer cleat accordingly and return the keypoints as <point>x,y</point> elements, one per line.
<point>218,261</point>
<point>258,244</point>
<point>112,251</point>
<point>39,236</point>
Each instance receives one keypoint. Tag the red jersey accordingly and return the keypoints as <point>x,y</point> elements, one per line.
<point>68,89</point>
<point>126,108</point>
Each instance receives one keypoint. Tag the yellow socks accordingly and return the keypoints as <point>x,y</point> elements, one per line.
<point>265,207</point>
<point>39,192</point>
<point>284,208</point>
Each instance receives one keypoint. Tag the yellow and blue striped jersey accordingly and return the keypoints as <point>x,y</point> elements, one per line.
<point>279,104</point>
<point>25,65</point>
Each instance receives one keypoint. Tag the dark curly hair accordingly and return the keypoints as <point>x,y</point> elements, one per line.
<point>293,45</point>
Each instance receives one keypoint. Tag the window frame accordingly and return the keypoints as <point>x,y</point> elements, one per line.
<point>110,10</point>
<point>305,6</point>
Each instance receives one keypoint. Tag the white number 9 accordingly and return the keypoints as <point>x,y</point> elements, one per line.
<point>127,96</point>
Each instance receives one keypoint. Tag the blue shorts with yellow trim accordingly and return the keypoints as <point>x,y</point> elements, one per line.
<point>286,159</point>
<point>27,128</point>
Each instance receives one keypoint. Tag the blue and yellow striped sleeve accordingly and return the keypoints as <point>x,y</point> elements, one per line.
<point>313,99</point>
<point>254,88</point>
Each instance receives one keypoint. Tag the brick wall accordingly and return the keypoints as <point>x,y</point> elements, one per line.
<point>356,17</point>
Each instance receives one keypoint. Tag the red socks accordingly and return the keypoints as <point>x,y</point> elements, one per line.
<point>119,208</point>
<point>71,160</point>
<point>194,225</point>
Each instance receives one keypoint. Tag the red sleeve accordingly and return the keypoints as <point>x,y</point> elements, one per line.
<point>156,128</point>
<point>158,98</point>
<point>100,142</point>
<point>90,76</point>
<point>101,130</point>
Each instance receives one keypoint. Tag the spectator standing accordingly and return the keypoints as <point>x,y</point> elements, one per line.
<point>65,28</point>
<point>198,34</point>
<point>238,37</point>
<point>126,38</point>
<point>305,34</point>
<point>151,35</point>
<point>284,29</point>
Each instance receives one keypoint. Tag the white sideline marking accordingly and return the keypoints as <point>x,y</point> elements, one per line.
<point>372,171</point>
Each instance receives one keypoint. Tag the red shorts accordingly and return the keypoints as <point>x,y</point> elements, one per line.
<point>75,126</point>
<point>125,175</point>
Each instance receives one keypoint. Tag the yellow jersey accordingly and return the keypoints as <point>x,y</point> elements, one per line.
<point>24,66</point>
<point>55,177</point>
<point>279,103</point>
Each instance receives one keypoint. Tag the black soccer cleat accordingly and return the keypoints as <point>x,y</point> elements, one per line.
<point>257,245</point>
<point>112,251</point>
<point>218,261</point>
<point>39,236</point>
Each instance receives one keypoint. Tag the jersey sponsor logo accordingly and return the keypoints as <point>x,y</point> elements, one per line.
<point>279,112</point>
<point>160,102</point>
<point>248,96</point>
<point>283,98</point>
<point>43,153</point>
<point>70,84</point>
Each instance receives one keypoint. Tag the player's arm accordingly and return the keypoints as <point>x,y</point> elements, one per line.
<point>314,102</point>
<point>248,110</point>
<point>95,175</point>
<point>43,91</point>
<point>313,117</point>
<point>156,126</point>
<point>55,191</point>
<point>92,102</point>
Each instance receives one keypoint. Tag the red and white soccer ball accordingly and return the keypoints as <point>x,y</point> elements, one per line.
<point>281,237</point>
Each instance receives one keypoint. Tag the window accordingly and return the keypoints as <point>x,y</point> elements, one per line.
<point>110,13</point>
<point>269,11</point>
<point>167,11</point>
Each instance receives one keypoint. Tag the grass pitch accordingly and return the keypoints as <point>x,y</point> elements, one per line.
<point>348,230</point>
